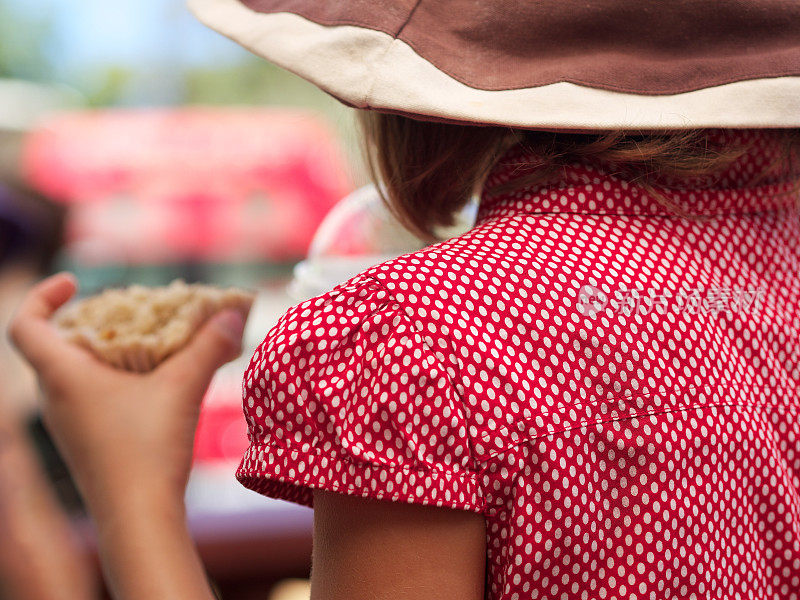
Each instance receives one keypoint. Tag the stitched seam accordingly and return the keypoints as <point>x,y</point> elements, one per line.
<point>408,18</point>
<point>519,156</point>
<point>495,508</point>
<point>375,66</point>
<point>642,215</point>
<point>640,413</point>
<point>597,84</point>
<point>623,396</point>
<point>779,191</point>
<point>588,403</point>
<point>563,79</point>
<point>554,214</point>
<point>660,212</point>
<point>303,493</point>
<point>306,492</point>
<point>643,414</point>
<point>464,475</point>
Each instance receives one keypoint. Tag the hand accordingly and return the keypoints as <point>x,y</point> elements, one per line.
<point>121,433</point>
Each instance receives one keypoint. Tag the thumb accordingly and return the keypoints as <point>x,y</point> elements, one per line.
<point>217,342</point>
<point>30,330</point>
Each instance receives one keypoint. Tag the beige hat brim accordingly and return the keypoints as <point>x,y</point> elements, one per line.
<point>368,68</point>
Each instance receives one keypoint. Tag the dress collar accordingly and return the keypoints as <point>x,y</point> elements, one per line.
<point>592,187</point>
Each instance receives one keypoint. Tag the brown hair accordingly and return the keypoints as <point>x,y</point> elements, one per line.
<point>430,169</point>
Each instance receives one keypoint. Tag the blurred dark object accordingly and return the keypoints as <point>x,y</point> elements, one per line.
<point>31,227</point>
<point>31,235</point>
<point>55,469</point>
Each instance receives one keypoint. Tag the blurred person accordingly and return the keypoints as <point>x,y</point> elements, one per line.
<point>592,393</point>
<point>30,235</point>
<point>40,555</point>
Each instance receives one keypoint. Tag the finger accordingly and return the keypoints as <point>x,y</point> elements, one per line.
<point>30,330</point>
<point>48,295</point>
<point>217,342</point>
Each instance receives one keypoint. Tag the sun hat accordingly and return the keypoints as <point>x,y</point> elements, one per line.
<point>558,64</point>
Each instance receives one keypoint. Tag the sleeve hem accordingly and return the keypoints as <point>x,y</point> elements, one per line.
<point>291,474</point>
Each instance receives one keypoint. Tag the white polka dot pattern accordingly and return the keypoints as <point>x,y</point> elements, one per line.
<point>647,450</point>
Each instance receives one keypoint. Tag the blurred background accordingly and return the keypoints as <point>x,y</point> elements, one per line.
<point>137,146</point>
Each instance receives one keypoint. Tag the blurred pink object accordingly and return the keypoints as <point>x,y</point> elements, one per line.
<point>221,436</point>
<point>221,433</point>
<point>160,185</point>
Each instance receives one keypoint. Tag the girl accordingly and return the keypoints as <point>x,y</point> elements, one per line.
<point>591,394</point>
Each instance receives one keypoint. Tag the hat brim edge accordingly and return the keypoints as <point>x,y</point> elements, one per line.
<point>365,68</point>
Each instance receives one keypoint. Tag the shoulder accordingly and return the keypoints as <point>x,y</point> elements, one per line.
<point>320,329</point>
<point>345,393</point>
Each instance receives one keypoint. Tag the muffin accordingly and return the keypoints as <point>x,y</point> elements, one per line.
<point>137,328</point>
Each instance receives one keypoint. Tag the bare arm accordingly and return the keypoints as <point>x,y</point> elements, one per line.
<point>127,439</point>
<point>144,543</point>
<point>375,550</point>
<point>147,550</point>
<point>39,557</point>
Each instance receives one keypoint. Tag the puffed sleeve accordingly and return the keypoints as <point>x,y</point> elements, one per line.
<point>344,395</point>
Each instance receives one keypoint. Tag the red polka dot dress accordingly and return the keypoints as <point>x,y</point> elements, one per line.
<point>613,384</point>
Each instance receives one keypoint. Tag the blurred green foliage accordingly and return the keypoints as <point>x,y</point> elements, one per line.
<point>107,86</point>
<point>251,81</point>
<point>26,53</point>
<point>23,45</point>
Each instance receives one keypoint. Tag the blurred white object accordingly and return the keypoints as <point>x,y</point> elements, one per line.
<point>22,105</point>
<point>291,589</point>
<point>358,233</point>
